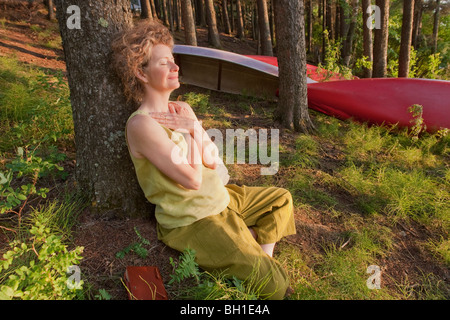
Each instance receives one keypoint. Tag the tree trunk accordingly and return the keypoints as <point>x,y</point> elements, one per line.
<point>165,12</point>
<point>337,19</point>
<point>329,19</point>
<point>104,171</point>
<point>405,44</point>
<point>309,25</point>
<point>213,33</point>
<point>189,24</point>
<point>436,26</point>
<point>324,27</point>
<point>292,108</point>
<point>264,28</point>
<point>51,13</point>
<point>146,9</point>
<point>152,5</point>
<point>367,39</point>
<point>170,15</point>
<point>240,20</point>
<point>344,16</point>
<point>380,46</point>
<point>418,10</point>
<point>226,19</point>
<point>201,13</point>
<point>348,40</point>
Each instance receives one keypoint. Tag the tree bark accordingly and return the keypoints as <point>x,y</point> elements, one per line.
<point>418,10</point>
<point>104,171</point>
<point>309,25</point>
<point>146,9</point>
<point>405,44</point>
<point>329,19</point>
<point>264,28</point>
<point>367,39</point>
<point>51,13</point>
<point>152,5</point>
<point>213,33</point>
<point>226,19</point>
<point>240,20</point>
<point>165,12</point>
<point>292,108</point>
<point>189,23</point>
<point>436,26</point>
<point>348,40</point>
<point>380,46</point>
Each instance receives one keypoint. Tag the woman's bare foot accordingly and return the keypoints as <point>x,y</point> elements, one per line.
<point>267,248</point>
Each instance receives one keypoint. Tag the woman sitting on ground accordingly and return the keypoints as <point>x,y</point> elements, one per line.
<point>233,229</point>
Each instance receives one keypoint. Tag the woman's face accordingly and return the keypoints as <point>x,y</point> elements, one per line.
<point>161,71</point>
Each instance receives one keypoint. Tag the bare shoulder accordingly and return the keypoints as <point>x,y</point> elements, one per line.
<point>141,126</point>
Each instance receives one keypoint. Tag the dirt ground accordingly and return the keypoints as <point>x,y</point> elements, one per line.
<point>103,236</point>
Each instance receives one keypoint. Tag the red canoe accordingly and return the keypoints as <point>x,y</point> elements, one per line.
<point>375,101</point>
<point>385,100</point>
<point>313,72</point>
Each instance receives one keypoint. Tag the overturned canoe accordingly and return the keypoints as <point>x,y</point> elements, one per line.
<point>376,101</point>
<point>384,100</point>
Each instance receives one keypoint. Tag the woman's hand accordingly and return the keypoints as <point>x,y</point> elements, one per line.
<point>179,122</point>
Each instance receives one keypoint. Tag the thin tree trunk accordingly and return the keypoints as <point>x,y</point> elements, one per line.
<point>226,19</point>
<point>418,10</point>
<point>240,20</point>
<point>51,13</point>
<point>264,28</point>
<point>165,12</point>
<point>348,41</point>
<point>213,33</point>
<point>381,41</point>
<point>290,33</point>
<point>189,23</point>
<point>329,19</point>
<point>309,25</point>
<point>405,44</point>
<point>337,19</point>
<point>436,26</point>
<point>367,39</point>
<point>152,5</point>
<point>146,9</point>
<point>104,171</point>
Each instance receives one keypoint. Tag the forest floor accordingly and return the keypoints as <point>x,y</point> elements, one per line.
<point>29,37</point>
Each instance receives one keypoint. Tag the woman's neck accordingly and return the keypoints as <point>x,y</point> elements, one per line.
<point>156,102</point>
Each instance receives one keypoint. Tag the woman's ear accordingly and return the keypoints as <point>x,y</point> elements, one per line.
<point>141,76</point>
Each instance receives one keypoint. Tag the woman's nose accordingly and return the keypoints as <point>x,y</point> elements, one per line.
<point>174,67</point>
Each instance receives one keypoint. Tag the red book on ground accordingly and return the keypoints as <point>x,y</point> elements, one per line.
<point>144,283</point>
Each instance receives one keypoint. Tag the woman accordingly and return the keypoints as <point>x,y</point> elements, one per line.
<point>232,229</point>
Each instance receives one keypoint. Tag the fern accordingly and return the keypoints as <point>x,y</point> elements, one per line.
<point>185,268</point>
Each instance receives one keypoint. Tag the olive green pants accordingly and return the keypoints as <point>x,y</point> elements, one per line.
<point>223,242</point>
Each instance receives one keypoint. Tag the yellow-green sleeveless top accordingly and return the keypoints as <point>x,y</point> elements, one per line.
<point>175,205</point>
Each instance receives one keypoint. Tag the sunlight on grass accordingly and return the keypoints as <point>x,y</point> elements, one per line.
<point>35,106</point>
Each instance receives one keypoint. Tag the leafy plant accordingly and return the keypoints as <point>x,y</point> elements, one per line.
<point>136,247</point>
<point>18,182</point>
<point>185,268</point>
<point>417,111</point>
<point>36,268</point>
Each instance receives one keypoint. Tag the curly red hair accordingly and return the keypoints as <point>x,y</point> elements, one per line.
<point>132,50</point>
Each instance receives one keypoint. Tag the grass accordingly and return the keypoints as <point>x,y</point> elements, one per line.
<point>363,195</point>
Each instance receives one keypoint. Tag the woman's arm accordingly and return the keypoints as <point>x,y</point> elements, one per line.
<point>209,151</point>
<point>148,139</point>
